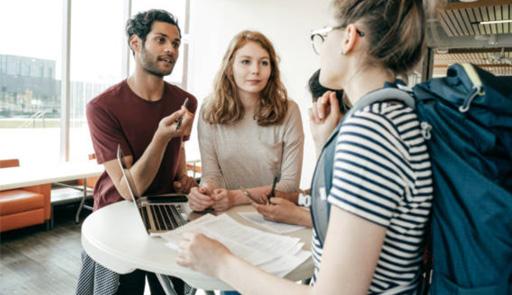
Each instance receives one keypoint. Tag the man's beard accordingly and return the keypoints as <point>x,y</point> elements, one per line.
<point>151,66</point>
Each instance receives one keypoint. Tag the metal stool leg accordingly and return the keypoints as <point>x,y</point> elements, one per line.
<point>82,201</point>
<point>166,284</point>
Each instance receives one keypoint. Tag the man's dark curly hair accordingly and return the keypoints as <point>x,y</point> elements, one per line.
<point>141,23</point>
<point>317,90</point>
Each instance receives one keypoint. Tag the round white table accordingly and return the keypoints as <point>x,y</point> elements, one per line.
<point>114,236</point>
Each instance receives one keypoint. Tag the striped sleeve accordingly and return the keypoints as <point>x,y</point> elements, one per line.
<point>370,168</point>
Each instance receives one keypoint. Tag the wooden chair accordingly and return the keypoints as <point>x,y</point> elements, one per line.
<point>9,163</point>
<point>194,167</point>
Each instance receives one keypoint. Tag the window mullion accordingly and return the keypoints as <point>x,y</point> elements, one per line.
<point>65,84</point>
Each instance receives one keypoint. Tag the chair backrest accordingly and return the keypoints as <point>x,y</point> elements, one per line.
<point>8,163</point>
<point>194,166</point>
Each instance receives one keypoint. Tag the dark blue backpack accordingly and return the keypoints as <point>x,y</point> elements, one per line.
<point>470,115</point>
<point>470,111</point>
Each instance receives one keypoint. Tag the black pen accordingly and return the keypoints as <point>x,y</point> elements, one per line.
<point>180,119</point>
<point>273,190</point>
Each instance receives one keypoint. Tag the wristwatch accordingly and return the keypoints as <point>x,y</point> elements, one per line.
<point>304,200</point>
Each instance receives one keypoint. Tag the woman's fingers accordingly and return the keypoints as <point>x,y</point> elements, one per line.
<point>198,201</point>
<point>323,105</point>
<point>266,210</point>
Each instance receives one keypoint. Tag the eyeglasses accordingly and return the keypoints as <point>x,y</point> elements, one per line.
<point>318,36</point>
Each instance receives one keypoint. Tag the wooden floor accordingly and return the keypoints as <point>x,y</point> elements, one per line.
<point>36,261</point>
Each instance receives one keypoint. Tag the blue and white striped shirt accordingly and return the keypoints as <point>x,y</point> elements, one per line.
<point>382,173</point>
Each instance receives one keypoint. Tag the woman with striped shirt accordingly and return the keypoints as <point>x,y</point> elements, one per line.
<point>381,179</point>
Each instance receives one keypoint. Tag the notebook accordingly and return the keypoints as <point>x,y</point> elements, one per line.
<point>159,213</point>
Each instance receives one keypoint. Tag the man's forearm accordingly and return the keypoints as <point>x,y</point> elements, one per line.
<point>146,167</point>
<point>182,162</point>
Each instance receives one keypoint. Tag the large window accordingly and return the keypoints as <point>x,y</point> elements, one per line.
<point>97,42</point>
<point>31,82</point>
<point>30,79</point>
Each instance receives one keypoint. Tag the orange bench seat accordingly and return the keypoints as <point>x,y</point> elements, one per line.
<point>20,208</point>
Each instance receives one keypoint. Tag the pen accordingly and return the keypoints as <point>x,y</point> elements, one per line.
<point>178,124</point>
<point>273,190</point>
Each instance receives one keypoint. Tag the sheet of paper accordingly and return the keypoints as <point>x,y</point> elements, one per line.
<point>281,228</point>
<point>253,245</point>
<point>285,264</point>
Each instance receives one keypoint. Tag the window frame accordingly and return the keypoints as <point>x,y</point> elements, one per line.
<point>65,122</point>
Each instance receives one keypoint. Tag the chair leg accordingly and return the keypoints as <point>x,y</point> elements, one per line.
<point>193,291</point>
<point>80,207</point>
<point>166,283</point>
<point>82,203</point>
<point>51,220</point>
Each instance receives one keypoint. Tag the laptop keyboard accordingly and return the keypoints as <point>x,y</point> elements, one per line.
<point>165,217</point>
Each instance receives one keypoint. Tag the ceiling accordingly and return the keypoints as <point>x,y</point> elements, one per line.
<point>457,36</point>
<point>462,19</point>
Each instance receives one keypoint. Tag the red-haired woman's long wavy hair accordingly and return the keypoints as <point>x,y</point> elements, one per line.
<point>224,105</point>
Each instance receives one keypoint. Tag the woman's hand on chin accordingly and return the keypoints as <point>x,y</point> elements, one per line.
<point>324,116</point>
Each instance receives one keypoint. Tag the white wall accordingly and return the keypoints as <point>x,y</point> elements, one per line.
<point>287,23</point>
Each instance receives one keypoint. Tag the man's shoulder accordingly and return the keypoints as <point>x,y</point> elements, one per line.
<point>109,94</point>
<point>176,92</point>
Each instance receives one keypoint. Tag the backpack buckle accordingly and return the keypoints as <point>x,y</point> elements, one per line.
<point>478,91</point>
<point>425,130</point>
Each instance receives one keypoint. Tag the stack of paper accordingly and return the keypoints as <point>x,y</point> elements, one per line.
<point>277,227</point>
<point>273,253</point>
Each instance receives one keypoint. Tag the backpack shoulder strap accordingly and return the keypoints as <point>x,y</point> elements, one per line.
<point>322,177</point>
<point>385,94</point>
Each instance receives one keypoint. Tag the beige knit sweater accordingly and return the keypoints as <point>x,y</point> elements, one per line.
<point>247,155</point>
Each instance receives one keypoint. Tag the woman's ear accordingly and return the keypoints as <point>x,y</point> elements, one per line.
<point>350,39</point>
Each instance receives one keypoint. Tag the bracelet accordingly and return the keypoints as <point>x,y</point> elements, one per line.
<point>251,197</point>
<point>246,193</point>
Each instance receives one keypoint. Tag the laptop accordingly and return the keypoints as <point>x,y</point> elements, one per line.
<point>159,213</point>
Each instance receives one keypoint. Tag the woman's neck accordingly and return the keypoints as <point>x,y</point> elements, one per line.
<point>249,100</point>
<point>364,81</point>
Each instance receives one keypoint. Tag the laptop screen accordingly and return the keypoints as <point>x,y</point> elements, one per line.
<point>157,217</point>
<point>126,174</point>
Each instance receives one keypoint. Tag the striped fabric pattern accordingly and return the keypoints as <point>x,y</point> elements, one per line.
<point>94,279</point>
<point>382,173</point>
